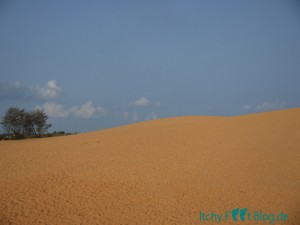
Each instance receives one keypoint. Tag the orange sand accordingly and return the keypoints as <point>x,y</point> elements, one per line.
<point>158,172</point>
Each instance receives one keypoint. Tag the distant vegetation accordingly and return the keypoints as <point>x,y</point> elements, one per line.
<point>20,124</point>
<point>58,133</point>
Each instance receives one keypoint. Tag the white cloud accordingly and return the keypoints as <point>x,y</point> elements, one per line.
<point>50,92</point>
<point>142,101</point>
<point>15,90</point>
<point>85,111</point>
<point>135,116</point>
<point>152,116</point>
<point>246,107</point>
<point>266,106</point>
<point>132,116</point>
<point>269,106</point>
<point>54,110</point>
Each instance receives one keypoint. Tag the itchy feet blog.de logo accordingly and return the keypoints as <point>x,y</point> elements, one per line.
<point>243,214</point>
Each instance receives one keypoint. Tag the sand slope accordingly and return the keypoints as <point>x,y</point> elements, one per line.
<point>158,172</point>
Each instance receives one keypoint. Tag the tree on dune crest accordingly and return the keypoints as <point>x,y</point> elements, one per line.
<point>40,124</point>
<point>19,124</point>
<point>12,121</point>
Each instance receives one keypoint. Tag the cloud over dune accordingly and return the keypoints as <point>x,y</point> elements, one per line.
<point>54,110</point>
<point>265,106</point>
<point>131,116</point>
<point>85,111</point>
<point>152,116</point>
<point>142,101</point>
<point>50,92</point>
<point>135,116</point>
<point>17,90</point>
<point>141,110</point>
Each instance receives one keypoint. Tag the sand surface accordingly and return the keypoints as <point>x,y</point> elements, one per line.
<point>165,171</point>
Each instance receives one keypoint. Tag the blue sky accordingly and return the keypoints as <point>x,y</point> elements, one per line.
<point>97,64</point>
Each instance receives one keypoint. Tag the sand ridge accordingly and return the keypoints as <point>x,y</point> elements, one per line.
<point>157,172</point>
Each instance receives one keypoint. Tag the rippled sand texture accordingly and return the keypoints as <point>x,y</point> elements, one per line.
<point>158,172</point>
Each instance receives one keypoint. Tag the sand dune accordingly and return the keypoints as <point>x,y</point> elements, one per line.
<point>165,171</point>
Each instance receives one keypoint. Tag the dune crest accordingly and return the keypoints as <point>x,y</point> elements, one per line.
<point>166,171</point>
